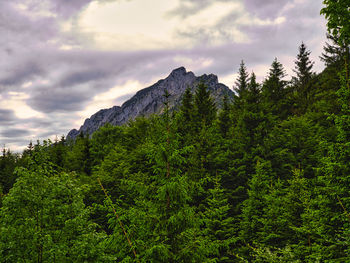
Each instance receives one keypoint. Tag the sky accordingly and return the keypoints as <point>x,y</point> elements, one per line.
<point>63,60</point>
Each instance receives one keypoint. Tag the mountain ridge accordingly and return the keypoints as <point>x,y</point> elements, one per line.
<point>149,100</point>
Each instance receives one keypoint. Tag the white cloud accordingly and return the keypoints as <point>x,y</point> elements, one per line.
<point>128,25</point>
<point>16,101</point>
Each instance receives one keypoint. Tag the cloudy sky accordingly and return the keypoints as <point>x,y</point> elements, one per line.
<point>63,60</point>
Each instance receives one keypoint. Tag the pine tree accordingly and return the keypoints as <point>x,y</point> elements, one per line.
<point>253,96</point>
<point>274,91</point>
<point>79,159</point>
<point>302,81</point>
<point>185,118</point>
<point>187,105</point>
<point>241,84</point>
<point>253,208</point>
<point>224,119</point>
<point>303,69</point>
<point>204,107</point>
<point>334,54</point>
<point>218,226</point>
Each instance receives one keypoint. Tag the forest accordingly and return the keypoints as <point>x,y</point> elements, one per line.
<point>263,178</point>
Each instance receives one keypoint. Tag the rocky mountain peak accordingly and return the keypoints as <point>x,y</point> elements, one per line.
<point>178,72</point>
<point>150,100</point>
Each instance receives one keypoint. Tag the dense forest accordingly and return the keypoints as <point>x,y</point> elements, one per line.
<point>263,178</point>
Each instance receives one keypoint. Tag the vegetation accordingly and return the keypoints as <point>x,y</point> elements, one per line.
<point>266,178</point>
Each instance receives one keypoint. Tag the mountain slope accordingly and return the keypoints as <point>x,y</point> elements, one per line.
<point>150,100</point>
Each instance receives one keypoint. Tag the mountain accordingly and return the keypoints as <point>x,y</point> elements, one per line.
<point>150,100</point>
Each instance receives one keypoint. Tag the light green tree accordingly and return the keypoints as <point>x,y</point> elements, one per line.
<point>44,219</point>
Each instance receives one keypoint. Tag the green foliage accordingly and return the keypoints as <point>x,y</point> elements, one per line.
<point>44,219</point>
<point>218,228</point>
<point>204,107</point>
<point>241,84</point>
<point>78,158</point>
<point>338,17</point>
<point>302,81</point>
<point>274,91</point>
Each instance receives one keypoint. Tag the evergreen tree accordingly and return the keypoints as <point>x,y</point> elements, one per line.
<point>334,54</point>
<point>253,96</point>
<point>187,105</point>
<point>274,91</point>
<point>79,159</point>
<point>185,118</point>
<point>224,119</point>
<point>241,84</point>
<point>252,224</point>
<point>303,69</point>
<point>8,163</point>
<point>218,226</point>
<point>302,81</point>
<point>204,107</point>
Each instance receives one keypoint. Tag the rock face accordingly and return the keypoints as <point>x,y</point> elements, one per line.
<point>150,100</point>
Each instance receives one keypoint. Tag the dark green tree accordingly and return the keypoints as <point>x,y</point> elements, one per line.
<point>78,159</point>
<point>204,107</point>
<point>218,226</point>
<point>302,81</point>
<point>274,91</point>
<point>224,118</point>
<point>241,84</point>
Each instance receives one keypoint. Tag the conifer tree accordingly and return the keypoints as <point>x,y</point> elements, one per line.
<point>187,105</point>
<point>241,84</point>
<point>185,118</point>
<point>218,226</point>
<point>204,107</point>
<point>302,81</point>
<point>253,96</point>
<point>252,224</point>
<point>303,69</point>
<point>224,119</point>
<point>274,91</point>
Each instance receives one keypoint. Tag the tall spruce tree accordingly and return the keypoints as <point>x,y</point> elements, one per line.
<point>204,107</point>
<point>218,226</point>
<point>224,119</point>
<point>241,84</point>
<point>303,68</point>
<point>274,91</point>
<point>302,81</point>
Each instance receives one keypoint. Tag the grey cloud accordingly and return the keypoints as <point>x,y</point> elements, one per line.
<point>13,133</point>
<point>51,99</point>
<point>190,7</point>
<point>79,76</point>
<point>6,117</point>
<point>82,77</point>
<point>21,73</point>
<point>266,8</point>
